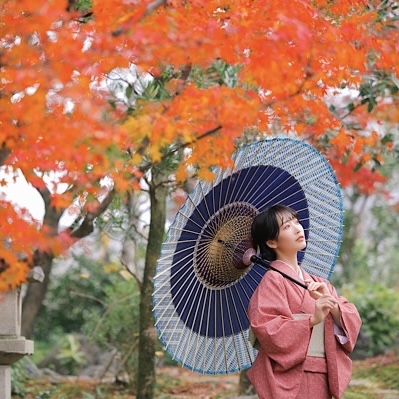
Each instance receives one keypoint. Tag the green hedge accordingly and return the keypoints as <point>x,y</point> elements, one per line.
<point>378,307</point>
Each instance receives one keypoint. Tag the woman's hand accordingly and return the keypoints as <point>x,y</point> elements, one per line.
<point>317,289</point>
<point>323,306</point>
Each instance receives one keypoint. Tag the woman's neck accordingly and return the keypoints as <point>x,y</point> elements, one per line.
<point>292,262</point>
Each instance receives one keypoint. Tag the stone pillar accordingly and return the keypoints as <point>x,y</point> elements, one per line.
<point>12,345</point>
<point>5,382</point>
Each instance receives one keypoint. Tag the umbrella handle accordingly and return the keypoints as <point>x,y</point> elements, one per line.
<point>256,259</point>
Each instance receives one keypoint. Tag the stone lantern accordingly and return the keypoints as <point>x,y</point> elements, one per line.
<point>12,346</point>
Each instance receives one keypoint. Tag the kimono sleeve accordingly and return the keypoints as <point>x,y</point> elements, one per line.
<point>350,320</point>
<point>284,339</point>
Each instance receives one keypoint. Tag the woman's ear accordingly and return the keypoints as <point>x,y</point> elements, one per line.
<point>271,243</point>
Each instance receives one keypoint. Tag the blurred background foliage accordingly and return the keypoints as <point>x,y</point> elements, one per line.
<point>376,305</point>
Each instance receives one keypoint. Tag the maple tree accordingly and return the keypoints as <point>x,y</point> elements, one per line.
<point>222,72</point>
<point>285,63</point>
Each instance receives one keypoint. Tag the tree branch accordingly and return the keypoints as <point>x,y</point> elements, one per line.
<point>150,9</point>
<point>87,225</point>
<point>4,153</point>
<point>153,6</point>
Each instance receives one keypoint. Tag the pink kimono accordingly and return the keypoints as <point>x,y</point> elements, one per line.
<point>282,363</point>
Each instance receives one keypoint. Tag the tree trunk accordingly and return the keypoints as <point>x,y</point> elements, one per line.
<point>132,236</point>
<point>148,334</point>
<point>34,297</point>
<point>36,292</point>
<point>244,385</point>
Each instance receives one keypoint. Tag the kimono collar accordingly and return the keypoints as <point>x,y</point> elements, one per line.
<point>287,269</point>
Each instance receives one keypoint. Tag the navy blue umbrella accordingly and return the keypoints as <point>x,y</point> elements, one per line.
<point>205,276</point>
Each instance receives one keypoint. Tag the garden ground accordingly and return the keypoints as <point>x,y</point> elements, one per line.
<point>375,378</point>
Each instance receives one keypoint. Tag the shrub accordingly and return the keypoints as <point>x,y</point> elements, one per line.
<point>18,378</point>
<point>79,290</point>
<point>117,328</point>
<point>377,306</point>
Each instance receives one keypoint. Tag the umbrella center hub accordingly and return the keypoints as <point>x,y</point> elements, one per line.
<point>220,247</point>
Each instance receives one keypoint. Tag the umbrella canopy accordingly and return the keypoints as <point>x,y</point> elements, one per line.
<point>204,280</point>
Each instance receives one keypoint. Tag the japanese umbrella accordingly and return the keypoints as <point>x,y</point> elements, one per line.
<point>206,273</point>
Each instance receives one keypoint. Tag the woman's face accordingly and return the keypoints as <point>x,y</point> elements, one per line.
<point>291,237</point>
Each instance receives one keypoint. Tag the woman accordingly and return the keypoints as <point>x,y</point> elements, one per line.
<point>304,337</point>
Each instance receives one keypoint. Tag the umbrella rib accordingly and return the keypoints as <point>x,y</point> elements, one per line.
<point>177,263</point>
<point>237,192</point>
<point>242,156</point>
<point>208,321</point>
<point>251,194</point>
<point>213,197</point>
<point>260,197</point>
<point>180,212</point>
<point>309,196</point>
<point>250,287</point>
<point>332,226</point>
<point>160,301</point>
<point>215,337</point>
<point>169,268</point>
<point>195,205</point>
<point>285,198</point>
<point>326,240</point>
<point>289,196</point>
<point>178,303</point>
<point>230,173</point>
<point>183,230</point>
<point>203,195</point>
<point>319,253</point>
<point>193,241</point>
<point>239,320</point>
<point>323,215</point>
<point>330,202</point>
<point>257,193</point>
<point>311,267</point>
<point>166,295</point>
<point>230,199</point>
<point>321,260</point>
<point>310,168</point>
<point>250,354</point>
<point>200,250</point>
<point>293,204</point>
<point>257,273</point>
<point>247,197</point>
<point>223,332</point>
<point>214,343</point>
<point>203,217</point>
<point>170,255</point>
<point>182,311</point>
<point>231,322</point>
<point>313,198</point>
<point>270,196</point>
<point>219,201</point>
<point>279,193</point>
<point>230,177</point>
<point>200,328</point>
<point>259,154</point>
<point>191,331</point>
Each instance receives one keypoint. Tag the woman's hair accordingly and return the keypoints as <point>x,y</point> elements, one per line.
<point>266,226</point>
